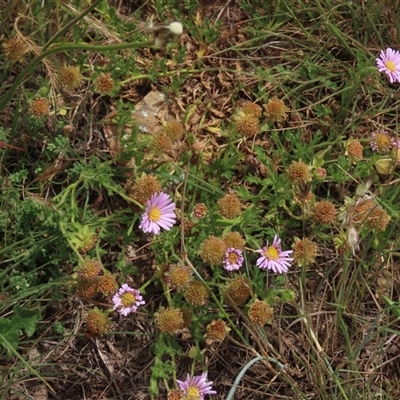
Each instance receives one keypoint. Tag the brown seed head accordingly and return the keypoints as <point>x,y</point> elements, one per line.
<point>363,210</point>
<point>87,288</point>
<point>107,284</point>
<point>89,270</point>
<point>39,107</point>
<point>229,206</point>
<point>260,312</point>
<point>179,276</point>
<point>70,77</point>
<point>299,172</point>
<point>217,330</point>
<point>379,219</point>
<point>213,250</point>
<point>144,188</point>
<point>175,395</point>
<point>234,240</point>
<point>304,251</point>
<point>169,320</point>
<point>251,109</point>
<point>97,322</point>
<point>238,290</point>
<point>324,212</point>
<point>162,142</point>
<point>187,226</point>
<point>104,84</point>
<point>174,129</point>
<point>247,125</point>
<point>355,150</point>
<point>275,110</point>
<point>196,294</point>
<point>15,48</point>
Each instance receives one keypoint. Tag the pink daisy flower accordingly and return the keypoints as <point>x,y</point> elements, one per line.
<point>127,300</point>
<point>274,258</point>
<point>233,259</point>
<point>196,387</point>
<point>389,63</point>
<point>159,214</point>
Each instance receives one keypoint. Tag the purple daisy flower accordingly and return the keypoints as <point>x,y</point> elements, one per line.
<point>381,141</point>
<point>159,214</point>
<point>127,300</point>
<point>389,63</point>
<point>196,387</point>
<point>233,259</point>
<point>274,258</point>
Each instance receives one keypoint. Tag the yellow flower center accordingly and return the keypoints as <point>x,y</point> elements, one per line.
<point>382,141</point>
<point>193,393</point>
<point>128,299</point>
<point>271,253</point>
<point>155,214</point>
<point>233,258</point>
<point>391,66</point>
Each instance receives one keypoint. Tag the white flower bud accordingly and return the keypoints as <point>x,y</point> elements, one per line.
<point>176,28</point>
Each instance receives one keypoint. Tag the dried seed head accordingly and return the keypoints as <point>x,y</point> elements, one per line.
<point>216,330</point>
<point>355,150</point>
<point>104,84</point>
<point>304,251</point>
<point>87,288</point>
<point>260,312</point>
<point>250,109</point>
<point>169,320</point>
<point>70,77</point>
<point>379,220</point>
<point>89,270</point>
<point>324,212</point>
<point>200,210</point>
<point>196,294</point>
<point>299,172</point>
<point>97,322</point>
<point>247,125</point>
<point>275,110</point>
<point>238,290</point>
<point>175,395</point>
<point>368,212</point>
<point>173,129</point>
<point>39,107</point>
<point>107,284</point>
<point>187,226</point>
<point>213,250</point>
<point>144,188</point>
<point>162,142</point>
<point>15,48</point>
<point>363,210</point>
<point>229,206</point>
<point>179,276</point>
<point>234,240</point>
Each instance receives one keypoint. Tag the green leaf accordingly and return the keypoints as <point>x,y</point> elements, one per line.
<point>26,319</point>
<point>9,332</point>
